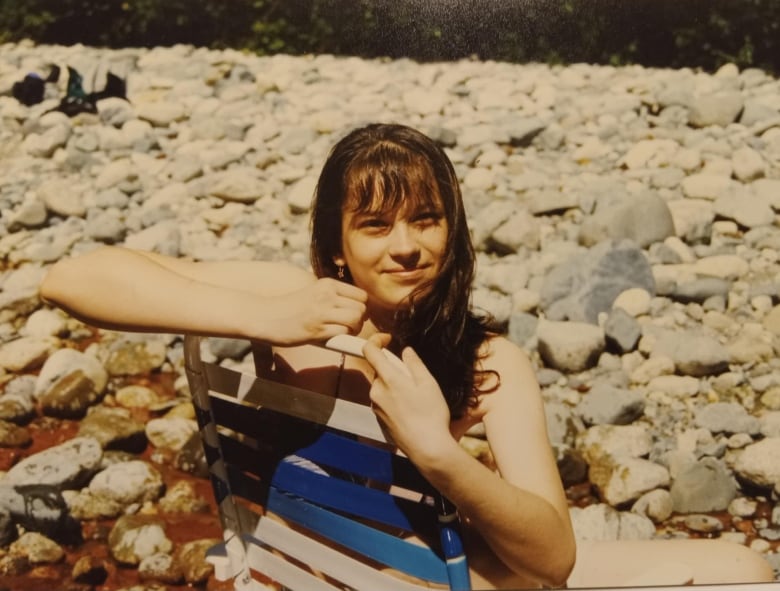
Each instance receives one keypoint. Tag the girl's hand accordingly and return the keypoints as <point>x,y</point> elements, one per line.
<point>321,310</point>
<point>411,406</point>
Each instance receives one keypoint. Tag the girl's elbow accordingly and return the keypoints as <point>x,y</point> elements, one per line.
<point>567,558</point>
<point>50,288</point>
<point>560,566</point>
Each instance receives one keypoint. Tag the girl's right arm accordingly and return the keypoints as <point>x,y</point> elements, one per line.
<point>277,303</point>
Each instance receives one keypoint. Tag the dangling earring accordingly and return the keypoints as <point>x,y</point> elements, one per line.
<point>340,272</point>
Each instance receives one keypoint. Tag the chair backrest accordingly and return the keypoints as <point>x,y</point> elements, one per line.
<point>311,496</point>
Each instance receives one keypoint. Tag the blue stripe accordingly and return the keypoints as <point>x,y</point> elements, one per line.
<point>396,553</point>
<point>363,460</point>
<point>352,498</point>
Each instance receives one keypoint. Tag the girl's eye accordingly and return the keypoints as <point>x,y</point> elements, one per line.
<point>426,218</point>
<point>373,223</point>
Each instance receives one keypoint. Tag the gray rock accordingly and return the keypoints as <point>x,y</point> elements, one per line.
<point>698,290</point>
<point>621,331</point>
<point>706,524</point>
<point>588,284</point>
<point>106,226</point>
<point>66,465</point>
<point>643,218</point>
<point>600,522</point>
<point>693,353</point>
<point>569,346</point>
<point>237,184</point>
<point>704,486</point>
<point>521,230</point>
<point>606,404</point>
<point>727,417</point>
<point>522,328</point>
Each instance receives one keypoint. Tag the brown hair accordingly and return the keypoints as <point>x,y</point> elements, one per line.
<point>381,166</point>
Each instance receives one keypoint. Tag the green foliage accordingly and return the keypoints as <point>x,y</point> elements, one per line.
<point>668,33</point>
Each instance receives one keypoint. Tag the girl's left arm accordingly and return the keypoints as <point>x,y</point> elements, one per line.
<point>521,510</point>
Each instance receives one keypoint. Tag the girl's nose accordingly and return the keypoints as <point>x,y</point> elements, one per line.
<point>402,241</point>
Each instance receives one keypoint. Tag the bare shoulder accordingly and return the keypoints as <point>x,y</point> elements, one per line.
<point>501,355</point>
<point>514,383</point>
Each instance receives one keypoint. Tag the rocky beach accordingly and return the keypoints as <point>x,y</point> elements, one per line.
<point>627,221</point>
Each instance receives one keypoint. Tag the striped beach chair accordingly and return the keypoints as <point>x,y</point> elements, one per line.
<point>309,495</point>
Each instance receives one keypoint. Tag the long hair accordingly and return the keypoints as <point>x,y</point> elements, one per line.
<point>380,167</point>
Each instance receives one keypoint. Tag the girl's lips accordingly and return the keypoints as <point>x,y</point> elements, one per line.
<point>407,273</point>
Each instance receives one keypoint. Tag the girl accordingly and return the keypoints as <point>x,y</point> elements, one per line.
<point>393,263</point>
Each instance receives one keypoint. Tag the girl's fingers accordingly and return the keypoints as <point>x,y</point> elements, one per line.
<point>376,358</point>
<point>351,291</point>
<point>381,339</point>
<point>413,362</point>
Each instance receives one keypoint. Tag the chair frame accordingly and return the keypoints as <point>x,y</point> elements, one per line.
<point>334,504</point>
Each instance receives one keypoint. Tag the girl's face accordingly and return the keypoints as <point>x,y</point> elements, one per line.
<point>390,254</point>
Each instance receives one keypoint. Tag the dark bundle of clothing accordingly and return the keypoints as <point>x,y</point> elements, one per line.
<point>31,90</point>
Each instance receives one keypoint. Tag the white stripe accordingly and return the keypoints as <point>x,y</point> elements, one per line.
<point>356,418</point>
<point>320,557</point>
<point>284,572</point>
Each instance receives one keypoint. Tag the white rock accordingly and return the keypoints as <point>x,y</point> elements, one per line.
<point>65,361</point>
<point>128,482</point>
<point>706,186</point>
<point>570,346</point>
<point>758,463</point>
<point>170,432</point>
<point>748,164</point>
<point>26,353</point>
<point>635,301</point>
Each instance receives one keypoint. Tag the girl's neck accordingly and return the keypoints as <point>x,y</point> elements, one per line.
<point>376,322</point>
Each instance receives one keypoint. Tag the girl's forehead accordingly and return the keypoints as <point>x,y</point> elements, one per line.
<point>380,203</point>
<point>386,195</point>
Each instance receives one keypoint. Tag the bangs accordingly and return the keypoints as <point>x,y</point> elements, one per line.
<point>383,183</point>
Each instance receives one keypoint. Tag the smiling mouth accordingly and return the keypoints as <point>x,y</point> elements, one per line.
<point>407,273</point>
